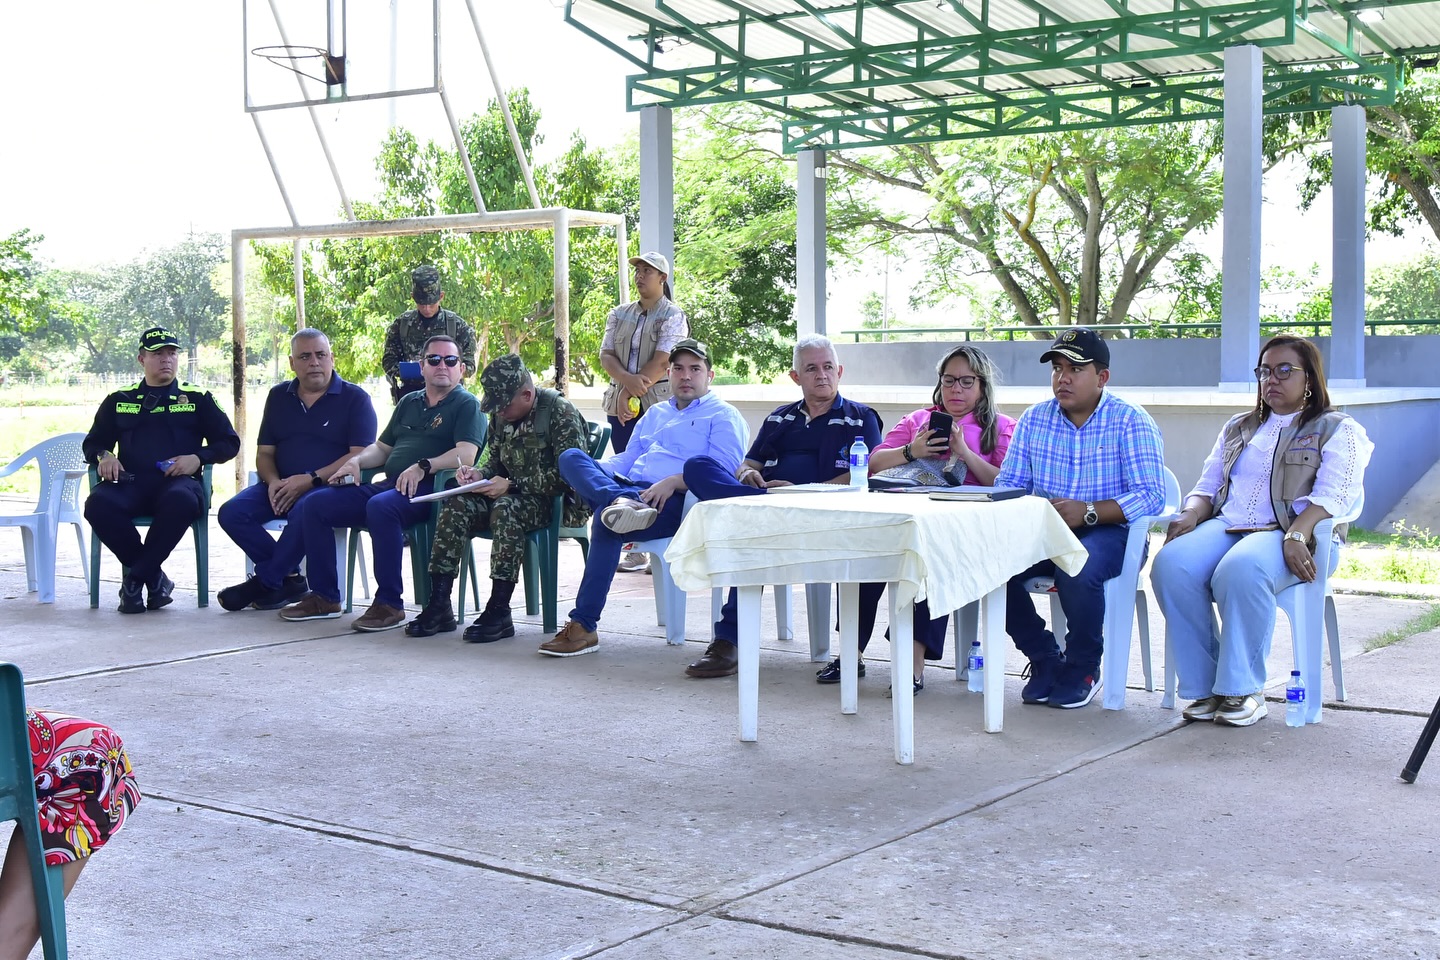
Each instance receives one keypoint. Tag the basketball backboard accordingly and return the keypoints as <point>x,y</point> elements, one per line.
<point>311,52</point>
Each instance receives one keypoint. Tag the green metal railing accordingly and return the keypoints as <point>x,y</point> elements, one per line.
<point>1316,329</point>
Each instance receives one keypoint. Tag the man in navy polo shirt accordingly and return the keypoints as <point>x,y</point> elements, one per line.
<point>311,426</point>
<point>807,441</point>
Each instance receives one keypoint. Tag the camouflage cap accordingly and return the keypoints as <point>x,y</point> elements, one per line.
<point>425,284</point>
<point>500,381</point>
<point>157,337</point>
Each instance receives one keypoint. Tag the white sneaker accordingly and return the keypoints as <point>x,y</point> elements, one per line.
<point>627,516</point>
<point>1241,711</point>
<point>633,562</point>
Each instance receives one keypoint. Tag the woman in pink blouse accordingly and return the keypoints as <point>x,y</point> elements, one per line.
<point>1246,531</point>
<point>974,448</point>
<point>976,444</point>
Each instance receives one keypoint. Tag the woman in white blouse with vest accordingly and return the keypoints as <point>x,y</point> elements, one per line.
<point>1246,529</point>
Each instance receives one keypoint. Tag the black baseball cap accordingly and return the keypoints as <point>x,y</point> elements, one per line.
<point>157,337</point>
<point>1079,345</point>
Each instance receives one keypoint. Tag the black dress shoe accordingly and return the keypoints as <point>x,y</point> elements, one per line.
<point>159,590</point>
<point>242,595</point>
<point>292,589</point>
<point>490,626</point>
<point>830,673</point>
<point>132,596</point>
<point>721,659</point>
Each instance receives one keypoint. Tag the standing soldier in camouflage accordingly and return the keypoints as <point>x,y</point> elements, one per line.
<point>407,335</point>
<point>529,428</point>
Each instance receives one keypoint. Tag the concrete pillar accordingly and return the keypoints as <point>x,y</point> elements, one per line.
<point>1347,291</point>
<point>810,243</point>
<point>1240,256</point>
<point>657,183</point>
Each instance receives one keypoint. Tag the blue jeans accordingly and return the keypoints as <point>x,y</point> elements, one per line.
<point>378,508</point>
<point>243,518</point>
<point>1082,597</point>
<point>599,489</point>
<point>1241,574</point>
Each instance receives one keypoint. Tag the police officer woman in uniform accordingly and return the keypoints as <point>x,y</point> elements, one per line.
<point>166,431</point>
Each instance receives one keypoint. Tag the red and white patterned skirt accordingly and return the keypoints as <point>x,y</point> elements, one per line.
<point>83,783</point>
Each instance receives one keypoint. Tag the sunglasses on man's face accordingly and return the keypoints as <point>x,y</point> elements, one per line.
<point>435,360</point>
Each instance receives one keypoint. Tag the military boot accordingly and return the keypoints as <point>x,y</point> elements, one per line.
<point>438,615</point>
<point>494,622</point>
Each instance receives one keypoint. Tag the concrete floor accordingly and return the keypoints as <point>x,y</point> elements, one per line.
<point>312,792</point>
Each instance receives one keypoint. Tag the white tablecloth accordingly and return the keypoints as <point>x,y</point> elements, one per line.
<point>945,552</point>
<point>949,553</point>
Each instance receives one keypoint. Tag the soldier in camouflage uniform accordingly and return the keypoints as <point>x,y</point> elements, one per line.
<point>407,335</point>
<point>529,428</point>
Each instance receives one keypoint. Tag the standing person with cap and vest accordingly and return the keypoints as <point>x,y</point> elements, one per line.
<point>406,336</point>
<point>166,431</point>
<point>635,352</point>
<point>1101,463</point>
<point>529,428</point>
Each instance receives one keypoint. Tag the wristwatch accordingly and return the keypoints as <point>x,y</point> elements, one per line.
<point>1091,517</point>
<point>1297,536</point>
<point>315,480</point>
<point>424,464</point>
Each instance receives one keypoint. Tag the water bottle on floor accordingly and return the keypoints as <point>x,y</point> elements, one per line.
<point>859,465</point>
<point>976,667</point>
<point>1295,701</point>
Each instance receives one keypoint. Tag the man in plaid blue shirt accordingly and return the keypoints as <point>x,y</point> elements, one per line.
<point>1100,461</point>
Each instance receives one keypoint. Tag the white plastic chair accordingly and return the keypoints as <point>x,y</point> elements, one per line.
<point>1124,598</point>
<point>1309,607</point>
<point>62,468</point>
<point>341,545</point>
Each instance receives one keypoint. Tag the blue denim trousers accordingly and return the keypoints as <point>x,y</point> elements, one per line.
<point>599,489</point>
<point>374,506</point>
<point>1240,574</point>
<point>1082,597</point>
<point>243,518</point>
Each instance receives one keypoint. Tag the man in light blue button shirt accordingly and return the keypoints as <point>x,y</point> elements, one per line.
<point>642,490</point>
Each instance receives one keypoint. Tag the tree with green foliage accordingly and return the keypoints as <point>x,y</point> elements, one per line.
<point>21,300</point>
<point>502,283</point>
<point>175,288</point>
<point>1076,228</point>
<point>1401,151</point>
<point>1406,291</point>
<point>735,241</point>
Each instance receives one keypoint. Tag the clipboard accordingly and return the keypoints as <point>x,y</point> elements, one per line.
<point>451,491</point>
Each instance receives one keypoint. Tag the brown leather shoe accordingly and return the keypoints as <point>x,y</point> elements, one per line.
<point>571,641</point>
<point>312,606</point>
<point>380,616</point>
<point>721,659</point>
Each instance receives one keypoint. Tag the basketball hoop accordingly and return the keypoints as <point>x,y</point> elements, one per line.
<point>292,56</point>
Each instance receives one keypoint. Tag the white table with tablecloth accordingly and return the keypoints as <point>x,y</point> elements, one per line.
<point>948,553</point>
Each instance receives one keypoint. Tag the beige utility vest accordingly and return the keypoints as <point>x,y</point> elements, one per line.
<point>629,318</point>
<point>1297,460</point>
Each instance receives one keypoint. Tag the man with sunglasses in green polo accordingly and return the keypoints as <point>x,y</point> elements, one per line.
<point>438,428</point>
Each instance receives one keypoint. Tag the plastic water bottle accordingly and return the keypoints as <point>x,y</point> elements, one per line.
<point>1295,701</point>
<point>976,666</point>
<point>859,465</point>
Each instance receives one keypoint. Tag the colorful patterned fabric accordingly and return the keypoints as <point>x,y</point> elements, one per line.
<point>83,784</point>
